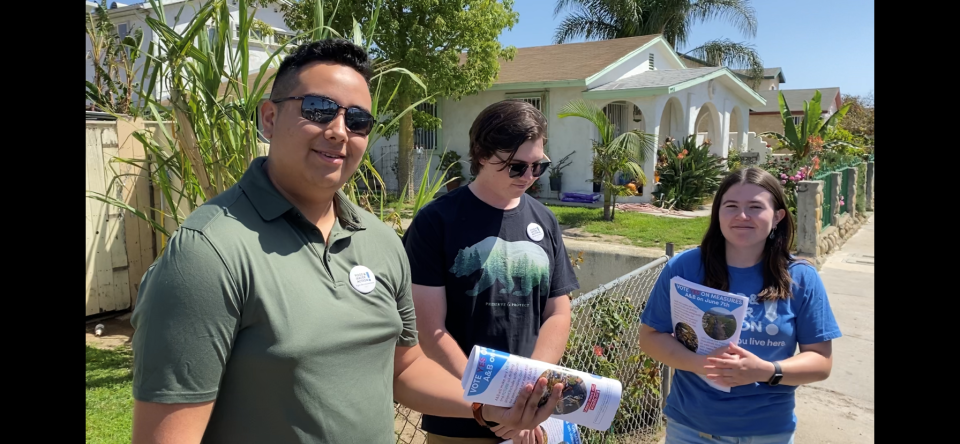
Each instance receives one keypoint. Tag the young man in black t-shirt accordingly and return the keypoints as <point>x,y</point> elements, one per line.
<point>488,263</point>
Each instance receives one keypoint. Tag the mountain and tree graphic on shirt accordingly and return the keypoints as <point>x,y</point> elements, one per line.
<point>504,262</point>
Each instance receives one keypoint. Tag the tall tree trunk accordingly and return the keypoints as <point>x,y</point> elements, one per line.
<point>405,148</point>
<point>607,211</point>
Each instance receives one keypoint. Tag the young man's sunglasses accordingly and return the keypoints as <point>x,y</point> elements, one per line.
<point>323,110</point>
<point>518,169</point>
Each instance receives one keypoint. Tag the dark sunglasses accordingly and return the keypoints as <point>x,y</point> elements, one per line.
<point>518,169</point>
<point>323,110</point>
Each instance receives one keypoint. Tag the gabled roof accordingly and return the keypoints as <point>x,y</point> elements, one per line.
<point>569,61</point>
<point>667,81</point>
<point>796,97</point>
<point>657,79</point>
<point>768,73</point>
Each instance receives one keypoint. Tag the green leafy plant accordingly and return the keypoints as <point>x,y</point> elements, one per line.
<point>612,154</point>
<point>452,46</point>
<point>213,137</point>
<point>733,160</point>
<point>113,59</point>
<point>602,344</point>
<point>450,162</point>
<point>556,170</point>
<point>689,174</point>
<point>813,130</point>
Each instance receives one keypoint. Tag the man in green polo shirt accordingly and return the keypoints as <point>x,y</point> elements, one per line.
<point>279,311</point>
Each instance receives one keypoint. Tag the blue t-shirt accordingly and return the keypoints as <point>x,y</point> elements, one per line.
<point>771,330</point>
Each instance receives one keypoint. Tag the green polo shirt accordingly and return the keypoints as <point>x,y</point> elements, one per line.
<point>294,340</point>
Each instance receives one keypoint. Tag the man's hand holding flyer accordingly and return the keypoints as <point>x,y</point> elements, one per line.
<point>556,431</point>
<point>705,318</point>
<point>496,378</point>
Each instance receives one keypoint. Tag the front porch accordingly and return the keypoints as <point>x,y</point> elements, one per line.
<point>709,102</point>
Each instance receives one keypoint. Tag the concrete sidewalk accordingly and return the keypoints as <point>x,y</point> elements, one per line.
<point>840,409</point>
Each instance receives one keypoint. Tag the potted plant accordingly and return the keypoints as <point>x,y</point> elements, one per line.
<point>450,162</point>
<point>597,175</point>
<point>556,172</point>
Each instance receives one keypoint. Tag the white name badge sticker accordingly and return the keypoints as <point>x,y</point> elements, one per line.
<point>362,279</point>
<point>535,232</point>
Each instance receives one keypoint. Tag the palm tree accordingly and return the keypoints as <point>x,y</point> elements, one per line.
<point>673,19</point>
<point>612,154</point>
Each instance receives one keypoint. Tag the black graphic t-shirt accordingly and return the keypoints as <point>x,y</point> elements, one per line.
<point>499,268</point>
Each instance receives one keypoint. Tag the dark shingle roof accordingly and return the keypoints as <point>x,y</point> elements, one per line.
<point>657,79</point>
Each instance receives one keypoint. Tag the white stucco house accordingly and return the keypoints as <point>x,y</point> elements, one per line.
<point>127,18</point>
<point>640,81</point>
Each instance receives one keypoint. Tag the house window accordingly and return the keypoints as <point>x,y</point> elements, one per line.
<point>797,120</point>
<point>617,114</point>
<point>122,30</point>
<point>424,138</point>
<point>535,101</point>
<point>650,62</point>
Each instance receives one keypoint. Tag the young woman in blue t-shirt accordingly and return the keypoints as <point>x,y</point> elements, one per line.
<point>745,251</point>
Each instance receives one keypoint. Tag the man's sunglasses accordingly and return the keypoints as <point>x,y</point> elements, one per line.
<point>518,169</point>
<point>323,110</point>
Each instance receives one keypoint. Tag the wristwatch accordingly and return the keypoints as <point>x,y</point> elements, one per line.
<point>777,375</point>
<point>478,415</point>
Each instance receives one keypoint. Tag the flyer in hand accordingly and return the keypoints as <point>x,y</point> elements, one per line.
<point>705,318</point>
<point>557,431</point>
<point>496,378</point>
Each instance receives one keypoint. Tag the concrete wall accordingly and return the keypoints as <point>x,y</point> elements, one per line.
<point>603,263</point>
<point>814,242</point>
<point>760,123</point>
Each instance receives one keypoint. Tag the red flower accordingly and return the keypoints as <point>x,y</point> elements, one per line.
<point>598,350</point>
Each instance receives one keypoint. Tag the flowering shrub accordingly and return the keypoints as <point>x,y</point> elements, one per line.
<point>605,344</point>
<point>688,174</point>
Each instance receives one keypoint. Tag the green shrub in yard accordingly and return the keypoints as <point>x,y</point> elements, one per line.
<point>689,174</point>
<point>604,344</point>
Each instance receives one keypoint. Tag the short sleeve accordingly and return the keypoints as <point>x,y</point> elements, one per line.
<point>563,280</point>
<point>408,337</point>
<point>185,321</point>
<point>815,320</point>
<point>423,243</point>
<point>656,314</point>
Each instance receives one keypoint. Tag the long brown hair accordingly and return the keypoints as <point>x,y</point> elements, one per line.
<point>776,253</point>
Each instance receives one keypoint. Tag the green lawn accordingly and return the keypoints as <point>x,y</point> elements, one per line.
<point>109,395</point>
<point>643,230</point>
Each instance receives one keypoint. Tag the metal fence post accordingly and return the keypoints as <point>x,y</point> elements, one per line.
<point>666,378</point>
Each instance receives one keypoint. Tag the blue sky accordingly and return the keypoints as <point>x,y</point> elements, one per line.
<point>817,43</point>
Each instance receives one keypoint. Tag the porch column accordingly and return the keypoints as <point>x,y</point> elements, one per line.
<point>724,129</point>
<point>690,116</point>
<point>652,126</point>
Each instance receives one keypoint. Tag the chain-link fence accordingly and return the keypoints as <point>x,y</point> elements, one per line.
<point>603,341</point>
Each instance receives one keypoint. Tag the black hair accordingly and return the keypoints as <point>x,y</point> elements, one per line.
<point>339,51</point>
